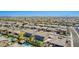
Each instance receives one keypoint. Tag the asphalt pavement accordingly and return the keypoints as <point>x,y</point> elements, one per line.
<point>75,37</point>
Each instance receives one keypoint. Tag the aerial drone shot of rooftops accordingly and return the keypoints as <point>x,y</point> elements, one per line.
<point>39,28</point>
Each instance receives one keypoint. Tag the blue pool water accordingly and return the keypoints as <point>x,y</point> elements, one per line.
<point>26,44</point>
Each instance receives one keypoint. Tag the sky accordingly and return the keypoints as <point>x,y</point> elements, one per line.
<point>39,13</point>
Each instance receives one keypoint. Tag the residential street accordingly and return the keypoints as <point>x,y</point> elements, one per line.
<point>75,37</point>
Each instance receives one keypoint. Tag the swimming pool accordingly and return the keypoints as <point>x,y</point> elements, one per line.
<point>26,44</point>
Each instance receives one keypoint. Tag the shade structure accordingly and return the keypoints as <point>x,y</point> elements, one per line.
<point>37,37</point>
